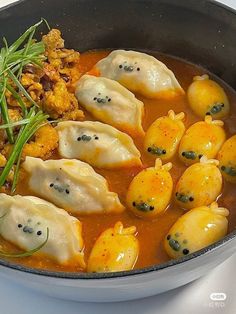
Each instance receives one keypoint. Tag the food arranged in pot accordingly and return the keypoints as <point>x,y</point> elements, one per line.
<point>111,160</point>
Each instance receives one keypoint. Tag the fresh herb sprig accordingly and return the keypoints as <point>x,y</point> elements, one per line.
<point>13,58</point>
<point>26,253</point>
<point>35,118</point>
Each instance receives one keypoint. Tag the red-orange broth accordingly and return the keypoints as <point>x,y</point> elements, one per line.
<point>150,233</point>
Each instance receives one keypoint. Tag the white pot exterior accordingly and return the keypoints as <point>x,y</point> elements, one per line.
<point>126,287</point>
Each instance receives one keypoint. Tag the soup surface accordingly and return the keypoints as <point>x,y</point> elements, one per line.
<point>150,233</point>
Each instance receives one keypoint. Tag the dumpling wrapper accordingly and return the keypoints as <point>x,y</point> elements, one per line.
<point>111,103</point>
<point>72,185</point>
<point>98,144</point>
<point>25,221</point>
<point>139,72</point>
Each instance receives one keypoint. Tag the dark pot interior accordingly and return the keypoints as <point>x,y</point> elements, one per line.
<point>202,32</point>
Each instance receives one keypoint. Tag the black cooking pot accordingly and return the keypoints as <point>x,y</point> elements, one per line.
<point>202,32</point>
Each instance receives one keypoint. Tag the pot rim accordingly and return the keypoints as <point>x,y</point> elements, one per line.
<point>82,275</point>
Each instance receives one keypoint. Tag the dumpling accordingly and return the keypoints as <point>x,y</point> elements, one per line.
<point>199,185</point>
<point>202,138</point>
<point>111,103</point>
<point>206,97</point>
<point>196,229</point>
<point>25,220</point>
<point>163,136</point>
<point>227,159</point>
<point>139,72</point>
<point>98,144</point>
<point>72,185</point>
<point>150,191</point>
<point>116,249</point>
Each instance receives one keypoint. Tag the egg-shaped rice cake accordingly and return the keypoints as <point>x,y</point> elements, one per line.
<point>196,229</point>
<point>202,138</point>
<point>150,191</point>
<point>227,159</point>
<point>199,185</point>
<point>163,136</point>
<point>206,97</point>
<point>116,249</point>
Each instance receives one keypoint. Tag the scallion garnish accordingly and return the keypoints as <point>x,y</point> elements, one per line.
<point>13,58</point>
<point>26,253</point>
<point>26,132</point>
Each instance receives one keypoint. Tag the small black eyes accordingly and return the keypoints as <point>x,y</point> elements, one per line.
<point>128,68</point>
<point>39,233</point>
<point>200,156</point>
<point>168,237</point>
<point>185,251</point>
<point>19,226</point>
<point>191,199</point>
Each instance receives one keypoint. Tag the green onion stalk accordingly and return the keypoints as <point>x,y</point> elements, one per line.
<point>25,50</point>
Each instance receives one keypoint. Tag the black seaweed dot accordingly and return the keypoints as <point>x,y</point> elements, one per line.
<point>67,191</point>
<point>19,225</point>
<point>168,237</point>
<point>185,251</point>
<point>39,233</point>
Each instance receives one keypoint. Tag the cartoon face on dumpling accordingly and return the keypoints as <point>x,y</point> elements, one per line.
<point>196,229</point>
<point>163,136</point>
<point>116,249</point>
<point>25,221</point>
<point>140,73</point>
<point>227,159</point>
<point>202,138</point>
<point>72,185</point>
<point>98,144</point>
<point>111,103</point>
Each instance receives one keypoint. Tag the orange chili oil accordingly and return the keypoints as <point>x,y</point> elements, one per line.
<point>150,233</point>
